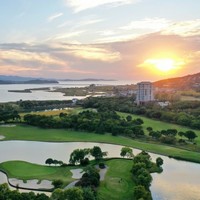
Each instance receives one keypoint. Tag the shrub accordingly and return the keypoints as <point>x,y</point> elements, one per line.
<point>85,162</point>
<point>102,165</point>
<point>57,183</point>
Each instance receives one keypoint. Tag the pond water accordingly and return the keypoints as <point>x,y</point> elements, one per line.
<point>45,95</point>
<point>180,180</point>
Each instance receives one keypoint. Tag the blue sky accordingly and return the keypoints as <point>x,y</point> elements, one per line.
<point>98,38</point>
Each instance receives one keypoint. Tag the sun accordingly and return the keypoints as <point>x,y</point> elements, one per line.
<point>165,64</point>
<point>162,64</point>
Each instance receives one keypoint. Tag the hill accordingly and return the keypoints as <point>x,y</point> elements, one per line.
<point>88,79</point>
<point>181,83</point>
<point>24,80</point>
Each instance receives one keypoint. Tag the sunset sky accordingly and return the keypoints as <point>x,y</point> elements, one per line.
<point>118,39</point>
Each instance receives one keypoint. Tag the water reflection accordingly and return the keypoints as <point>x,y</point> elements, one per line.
<point>179,181</point>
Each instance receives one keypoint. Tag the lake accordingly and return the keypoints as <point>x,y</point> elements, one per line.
<point>180,180</point>
<point>6,96</point>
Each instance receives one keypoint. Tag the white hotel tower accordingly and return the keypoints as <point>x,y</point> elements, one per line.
<point>145,92</point>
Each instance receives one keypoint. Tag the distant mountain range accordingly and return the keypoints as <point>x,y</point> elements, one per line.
<point>30,80</point>
<point>24,80</point>
<point>87,79</point>
<point>182,83</point>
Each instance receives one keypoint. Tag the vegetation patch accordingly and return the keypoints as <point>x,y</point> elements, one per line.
<point>26,171</point>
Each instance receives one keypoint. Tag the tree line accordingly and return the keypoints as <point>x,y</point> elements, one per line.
<point>99,122</point>
<point>178,112</point>
<point>169,136</point>
<point>8,113</point>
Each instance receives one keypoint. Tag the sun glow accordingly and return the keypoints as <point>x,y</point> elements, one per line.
<point>164,64</point>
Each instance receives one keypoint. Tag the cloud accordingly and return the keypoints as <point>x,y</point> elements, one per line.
<point>66,35</point>
<point>80,5</point>
<point>118,60</point>
<point>54,16</point>
<point>183,28</point>
<point>16,55</point>
<point>52,59</point>
<point>117,38</point>
<point>133,30</point>
<point>154,24</point>
<point>140,28</point>
<point>89,22</point>
<point>94,53</point>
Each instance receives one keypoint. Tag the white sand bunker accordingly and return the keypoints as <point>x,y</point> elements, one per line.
<point>7,125</point>
<point>32,184</point>
<point>2,137</point>
<point>76,173</point>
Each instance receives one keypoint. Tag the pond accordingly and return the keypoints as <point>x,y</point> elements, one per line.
<point>45,95</point>
<point>180,180</point>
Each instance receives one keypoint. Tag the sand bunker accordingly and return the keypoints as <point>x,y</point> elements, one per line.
<point>31,184</point>
<point>2,137</point>
<point>76,173</point>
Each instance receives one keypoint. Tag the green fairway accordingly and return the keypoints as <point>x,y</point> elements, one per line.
<point>118,183</point>
<point>26,171</point>
<point>159,125</point>
<point>23,132</point>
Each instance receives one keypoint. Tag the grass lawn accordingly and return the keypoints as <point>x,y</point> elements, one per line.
<point>159,125</point>
<point>189,98</point>
<point>118,183</point>
<point>22,132</point>
<point>26,171</point>
<point>48,113</point>
<point>56,113</point>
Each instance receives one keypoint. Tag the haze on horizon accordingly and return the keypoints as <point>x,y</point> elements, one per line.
<point>115,39</point>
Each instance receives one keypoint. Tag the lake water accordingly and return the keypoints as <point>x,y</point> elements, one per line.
<point>180,180</point>
<point>6,96</point>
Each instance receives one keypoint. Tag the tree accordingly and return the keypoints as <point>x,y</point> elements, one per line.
<point>88,194</point>
<point>77,155</point>
<point>73,193</point>
<point>155,134</point>
<point>129,118</point>
<point>140,192</point>
<point>149,129</point>
<point>191,135</point>
<point>57,183</point>
<point>159,161</point>
<point>172,132</point>
<point>144,178</point>
<point>137,166</point>
<point>49,161</point>
<point>97,153</point>
<point>55,162</point>
<point>90,178</point>
<point>126,151</point>
<point>181,133</point>
<point>57,194</point>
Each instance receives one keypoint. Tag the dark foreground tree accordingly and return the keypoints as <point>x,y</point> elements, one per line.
<point>159,161</point>
<point>126,152</point>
